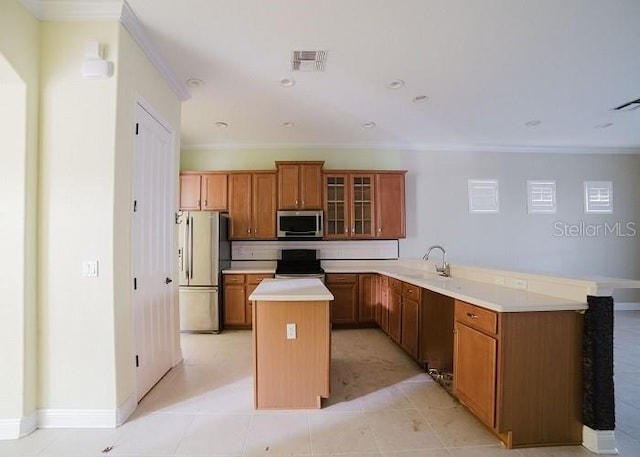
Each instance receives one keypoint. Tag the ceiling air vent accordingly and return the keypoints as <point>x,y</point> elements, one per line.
<point>308,60</point>
<point>628,106</point>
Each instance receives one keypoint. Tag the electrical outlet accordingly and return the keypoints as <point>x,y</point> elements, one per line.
<point>521,284</point>
<point>291,331</point>
<point>498,280</point>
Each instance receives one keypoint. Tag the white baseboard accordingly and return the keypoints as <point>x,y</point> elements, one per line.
<point>599,441</point>
<point>630,306</point>
<point>11,429</point>
<point>78,418</point>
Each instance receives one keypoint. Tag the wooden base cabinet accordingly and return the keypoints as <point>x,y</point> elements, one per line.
<point>436,331</point>
<point>344,307</point>
<point>203,191</point>
<point>237,308</point>
<point>520,373</point>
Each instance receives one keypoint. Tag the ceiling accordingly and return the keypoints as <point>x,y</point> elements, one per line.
<point>540,75</point>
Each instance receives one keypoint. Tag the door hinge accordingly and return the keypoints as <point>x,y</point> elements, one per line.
<point>137,125</point>
<point>137,361</point>
<point>135,206</point>
<point>135,283</point>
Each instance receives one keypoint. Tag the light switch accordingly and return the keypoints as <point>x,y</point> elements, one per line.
<point>90,268</point>
<point>291,331</point>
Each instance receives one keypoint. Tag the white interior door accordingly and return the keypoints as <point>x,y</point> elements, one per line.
<point>153,296</point>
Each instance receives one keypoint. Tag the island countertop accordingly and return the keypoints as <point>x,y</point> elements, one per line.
<point>299,289</point>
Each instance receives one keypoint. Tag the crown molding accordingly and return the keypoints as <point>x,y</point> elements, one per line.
<point>516,149</point>
<point>78,10</point>
<point>135,28</point>
<point>88,10</point>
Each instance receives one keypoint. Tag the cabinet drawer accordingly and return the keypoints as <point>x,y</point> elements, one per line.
<point>257,278</point>
<point>233,279</point>
<point>411,292</point>
<point>335,278</point>
<point>474,316</point>
<point>395,285</point>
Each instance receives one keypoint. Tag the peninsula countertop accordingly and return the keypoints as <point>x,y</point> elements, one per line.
<point>299,289</point>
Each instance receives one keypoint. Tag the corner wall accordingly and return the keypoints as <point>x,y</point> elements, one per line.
<point>19,68</point>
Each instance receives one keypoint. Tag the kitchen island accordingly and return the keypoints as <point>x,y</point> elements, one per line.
<point>291,343</point>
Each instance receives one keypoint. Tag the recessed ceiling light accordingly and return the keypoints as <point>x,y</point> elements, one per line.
<point>420,98</point>
<point>221,125</point>
<point>369,125</point>
<point>533,123</point>
<point>287,82</point>
<point>396,84</point>
<point>194,82</point>
<point>604,125</point>
<point>287,124</point>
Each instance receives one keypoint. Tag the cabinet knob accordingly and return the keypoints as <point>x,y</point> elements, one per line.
<point>379,229</point>
<point>206,203</point>
<point>353,230</point>
<point>296,202</point>
<point>472,316</point>
<point>248,231</point>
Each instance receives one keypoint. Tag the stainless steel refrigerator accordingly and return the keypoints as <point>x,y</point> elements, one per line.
<point>203,252</point>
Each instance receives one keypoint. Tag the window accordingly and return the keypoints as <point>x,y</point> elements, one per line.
<point>598,197</point>
<point>483,196</point>
<point>541,197</point>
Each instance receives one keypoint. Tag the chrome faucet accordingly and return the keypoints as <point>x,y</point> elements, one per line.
<point>442,270</point>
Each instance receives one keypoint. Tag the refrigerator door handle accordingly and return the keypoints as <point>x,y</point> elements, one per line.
<point>191,248</point>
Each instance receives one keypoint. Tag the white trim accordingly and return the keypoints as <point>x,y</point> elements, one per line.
<point>628,306</point>
<point>78,10</point>
<point>125,410</point>
<point>417,147</point>
<point>135,28</point>
<point>12,429</point>
<point>77,418</point>
<point>599,441</point>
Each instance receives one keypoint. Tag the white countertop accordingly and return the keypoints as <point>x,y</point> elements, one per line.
<point>478,290</point>
<point>299,289</point>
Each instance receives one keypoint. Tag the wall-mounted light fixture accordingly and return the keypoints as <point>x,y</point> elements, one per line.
<point>94,66</point>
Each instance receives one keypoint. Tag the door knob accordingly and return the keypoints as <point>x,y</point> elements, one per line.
<point>168,280</point>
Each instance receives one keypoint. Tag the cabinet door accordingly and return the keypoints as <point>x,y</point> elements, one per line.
<point>234,305</point>
<point>248,306</point>
<point>214,192</point>
<point>384,304</point>
<point>395,316</point>
<point>264,206</point>
<point>361,199</point>
<point>335,207</point>
<point>288,186</point>
<point>410,326</point>
<point>344,307</point>
<point>189,192</point>
<point>368,298</point>
<point>474,377</point>
<point>240,206</point>
<point>390,205</point>
<point>310,186</point>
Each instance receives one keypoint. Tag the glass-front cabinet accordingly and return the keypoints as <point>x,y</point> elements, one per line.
<point>349,210</point>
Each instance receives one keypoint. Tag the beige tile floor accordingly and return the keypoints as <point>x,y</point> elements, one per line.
<point>381,406</point>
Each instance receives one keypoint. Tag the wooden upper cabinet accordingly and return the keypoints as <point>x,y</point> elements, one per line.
<point>299,185</point>
<point>263,222</point>
<point>349,205</point>
<point>240,197</point>
<point>390,205</point>
<point>252,206</point>
<point>203,191</point>
<point>213,193</point>
<point>189,192</point>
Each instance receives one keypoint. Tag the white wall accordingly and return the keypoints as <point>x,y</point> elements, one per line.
<point>437,205</point>
<point>19,41</point>
<point>78,125</point>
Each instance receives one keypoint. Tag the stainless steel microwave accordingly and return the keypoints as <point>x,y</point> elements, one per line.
<point>300,225</point>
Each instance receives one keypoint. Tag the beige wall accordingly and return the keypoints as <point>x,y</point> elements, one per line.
<point>78,124</point>
<point>19,54</point>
